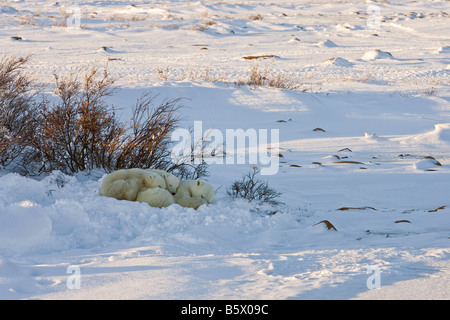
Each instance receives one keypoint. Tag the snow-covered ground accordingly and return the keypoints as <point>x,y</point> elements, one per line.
<point>371,105</point>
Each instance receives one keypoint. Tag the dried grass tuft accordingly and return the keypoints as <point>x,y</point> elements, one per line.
<point>402,221</point>
<point>348,162</point>
<point>436,210</point>
<point>328,224</point>
<point>435,162</point>
<point>260,57</point>
<point>356,208</point>
<point>268,77</point>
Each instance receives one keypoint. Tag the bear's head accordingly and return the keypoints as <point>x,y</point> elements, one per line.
<point>172,182</point>
<point>154,180</point>
<point>199,188</point>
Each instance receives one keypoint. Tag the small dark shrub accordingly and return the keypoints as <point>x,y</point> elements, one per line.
<point>252,189</point>
<point>18,110</point>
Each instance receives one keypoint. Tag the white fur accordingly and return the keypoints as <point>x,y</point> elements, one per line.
<point>125,184</point>
<point>172,181</point>
<point>194,193</point>
<point>155,197</point>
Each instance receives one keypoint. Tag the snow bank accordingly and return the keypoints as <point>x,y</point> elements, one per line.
<point>427,164</point>
<point>340,62</point>
<point>326,43</point>
<point>7,9</point>
<point>43,218</point>
<point>442,132</point>
<point>24,226</point>
<point>443,49</point>
<point>439,136</point>
<point>375,55</point>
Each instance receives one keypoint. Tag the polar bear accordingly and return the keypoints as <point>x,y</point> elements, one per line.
<point>194,193</point>
<point>125,184</point>
<point>155,197</point>
<point>172,181</point>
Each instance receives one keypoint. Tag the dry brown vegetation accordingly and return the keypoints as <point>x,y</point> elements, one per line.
<point>259,57</point>
<point>80,131</point>
<point>328,224</point>
<point>18,110</point>
<point>356,208</point>
<point>268,77</point>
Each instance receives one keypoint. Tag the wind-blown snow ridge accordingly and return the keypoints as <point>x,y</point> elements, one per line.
<point>376,54</point>
<point>438,137</point>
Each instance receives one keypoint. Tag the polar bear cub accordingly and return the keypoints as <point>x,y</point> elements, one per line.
<point>125,184</point>
<point>155,197</point>
<point>172,181</point>
<point>194,193</point>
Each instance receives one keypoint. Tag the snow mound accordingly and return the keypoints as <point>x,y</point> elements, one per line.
<point>7,9</point>
<point>427,164</point>
<point>106,49</point>
<point>442,131</point>
<point>440,135</point>
<point>326,43</point>
<point>46,218</point>
<point>24,225</point>
<point>373,137</point>
<point>340,62</point>
<point>347,27</point>
<point>15,279</point>
<point>443,49</point>
<point>376,54</point>
<point>157,11</point>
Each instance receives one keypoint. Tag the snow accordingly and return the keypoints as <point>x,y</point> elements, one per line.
<point>376,54</point>
<point>378,170</point>
<point>337,62</point>
<point>326,43</point>
<point>444,50</point>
